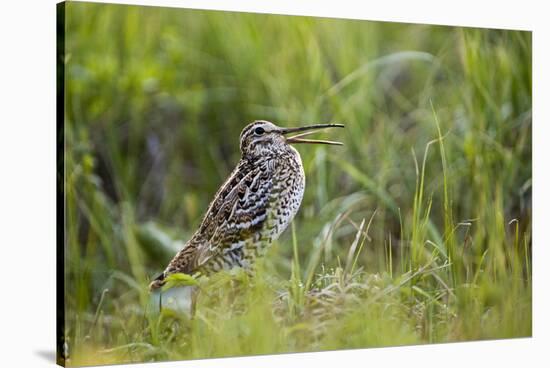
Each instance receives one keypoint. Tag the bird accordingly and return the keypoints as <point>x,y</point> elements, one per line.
<point>254,205</point>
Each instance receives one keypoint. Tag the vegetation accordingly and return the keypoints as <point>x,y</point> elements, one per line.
<point>417,231</point>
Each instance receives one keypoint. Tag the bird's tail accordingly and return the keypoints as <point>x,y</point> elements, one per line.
<point>158,282</point>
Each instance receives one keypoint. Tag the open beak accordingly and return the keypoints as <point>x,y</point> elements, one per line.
<point>310,129</point>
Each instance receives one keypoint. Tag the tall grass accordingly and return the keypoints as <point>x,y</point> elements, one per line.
<point>417,231</point>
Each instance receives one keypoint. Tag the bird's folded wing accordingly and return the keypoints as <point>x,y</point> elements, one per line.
<point>238,212</point>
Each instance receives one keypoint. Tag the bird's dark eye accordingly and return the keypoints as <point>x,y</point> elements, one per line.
<point>259,131</point>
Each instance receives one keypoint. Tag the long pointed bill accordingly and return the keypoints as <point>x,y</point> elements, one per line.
<point>310,129</point>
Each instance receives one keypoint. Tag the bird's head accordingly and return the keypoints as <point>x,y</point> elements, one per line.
<point>262,138</point>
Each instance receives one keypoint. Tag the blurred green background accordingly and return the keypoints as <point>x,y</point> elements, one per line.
<point>436,164</point>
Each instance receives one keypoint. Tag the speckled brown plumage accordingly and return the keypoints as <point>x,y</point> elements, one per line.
<point>252,208</point>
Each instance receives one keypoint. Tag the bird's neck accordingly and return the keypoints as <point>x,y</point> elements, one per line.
<point>284,153</point>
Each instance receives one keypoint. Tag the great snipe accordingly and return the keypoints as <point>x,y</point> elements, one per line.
<point>254,205</point>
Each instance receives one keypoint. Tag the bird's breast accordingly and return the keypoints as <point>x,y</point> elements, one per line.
<point>285,196</point>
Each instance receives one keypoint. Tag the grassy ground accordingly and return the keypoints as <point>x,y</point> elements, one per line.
<point>417,231</point>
